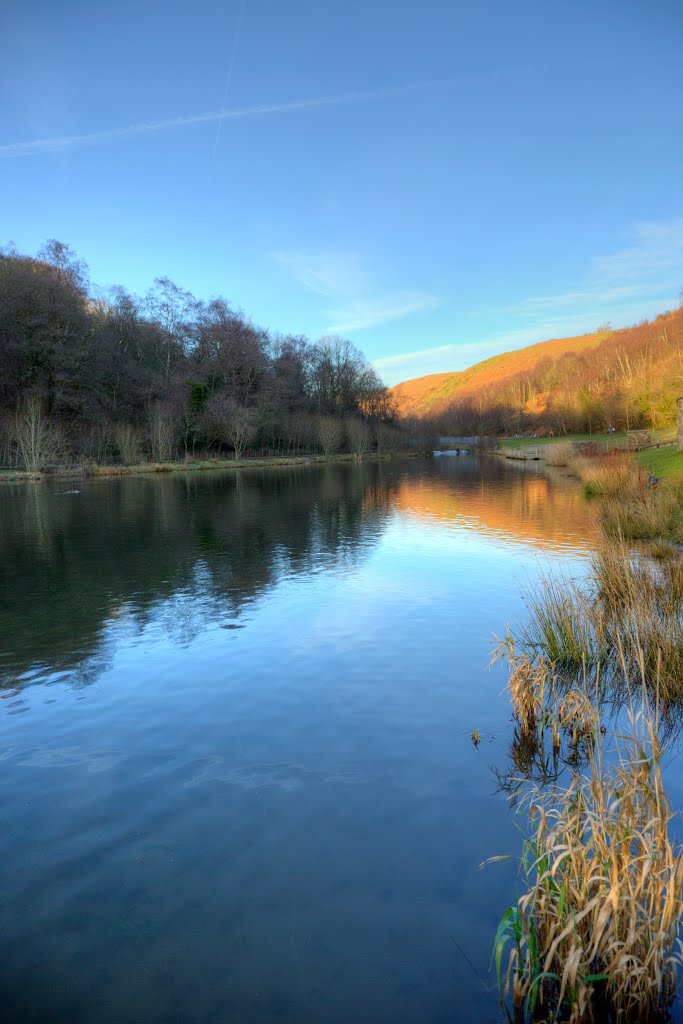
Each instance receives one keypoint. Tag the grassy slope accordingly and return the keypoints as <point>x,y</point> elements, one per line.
<point>425,395</point>
<point>525,442</point>
<point>662,462</point>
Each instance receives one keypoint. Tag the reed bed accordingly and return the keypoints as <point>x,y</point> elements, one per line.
<point>544,701</point>
<point>645,512</point>
<point>623,621</point>
<point>631,503</point>
<point>559,453</point>
<point>595,934</point>
<point>609,473</point>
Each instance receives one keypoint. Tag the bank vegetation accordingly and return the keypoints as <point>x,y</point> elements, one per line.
<point>94,378</point>
<point>596,687</point>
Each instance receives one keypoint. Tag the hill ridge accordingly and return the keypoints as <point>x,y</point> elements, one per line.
<point>627,377</point>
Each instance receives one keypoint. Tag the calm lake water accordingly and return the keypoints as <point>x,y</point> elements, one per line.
<point>239,784</point>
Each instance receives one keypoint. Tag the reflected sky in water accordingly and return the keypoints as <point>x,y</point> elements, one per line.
<point>235,725</point>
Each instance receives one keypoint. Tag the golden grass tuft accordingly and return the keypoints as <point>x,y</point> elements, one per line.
<point>542,700</point>
<point>630,504</point>
<point>559,453</point>
<point>609,473</point>
<point>621,623</point>
<point>528,683</point>
<point>578,716</point>
<point>595,935</point>
<point>645,512</point>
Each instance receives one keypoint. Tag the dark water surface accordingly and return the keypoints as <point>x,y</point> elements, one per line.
<point>234,732</point>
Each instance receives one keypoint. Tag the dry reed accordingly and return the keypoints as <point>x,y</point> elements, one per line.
<point>622,621</point>
<point>595,936</point>
<point>609,473</point>
<point>630,504</point>
<point>558,453</point>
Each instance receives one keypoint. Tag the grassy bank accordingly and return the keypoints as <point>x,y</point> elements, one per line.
<point>638,496</point>
<point>617,439</point>
<point>523,442</point>
<point>192,466</point>
<point>596,686</point>
<point>662,462</point>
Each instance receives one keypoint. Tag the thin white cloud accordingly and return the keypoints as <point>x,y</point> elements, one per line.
<point>640,279</point>
<point>382,311</point>
<point>451,351</point>
<point>326,272</point>
<point>53,144</point>
<point>445,358</point>
<point>649,268</point>
<point>112,135</point>
<point>656,253</point>
<point>355,300</point>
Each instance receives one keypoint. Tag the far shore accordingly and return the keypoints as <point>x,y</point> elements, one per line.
<point>88,471</point>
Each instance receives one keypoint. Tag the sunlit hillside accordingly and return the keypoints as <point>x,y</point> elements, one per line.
<point>629,377</point>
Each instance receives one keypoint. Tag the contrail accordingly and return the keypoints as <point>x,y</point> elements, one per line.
<point>228,75</point>
<point>110,135</point>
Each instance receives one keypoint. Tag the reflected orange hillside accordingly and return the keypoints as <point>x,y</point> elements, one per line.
<point>536,509</point>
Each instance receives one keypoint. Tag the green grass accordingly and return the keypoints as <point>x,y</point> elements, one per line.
<point>662,462</point>
<point>608,440</point>
<point>525,442</point>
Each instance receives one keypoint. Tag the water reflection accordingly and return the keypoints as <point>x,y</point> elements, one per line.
<point>192,550</point>
<point>269,807</point>
<point>203,546</point>
<point>518,502</point>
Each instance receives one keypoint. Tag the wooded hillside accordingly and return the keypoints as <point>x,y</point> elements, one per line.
<point>117,378</point>
<point>625,378</point>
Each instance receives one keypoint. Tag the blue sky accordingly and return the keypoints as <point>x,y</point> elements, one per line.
<point>439,181</point>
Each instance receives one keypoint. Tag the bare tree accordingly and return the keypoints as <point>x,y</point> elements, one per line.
<point>173,311</point>
<point>330,434</point>
<point>39,442</point>
<point>359,436</point>
<point>128,443</point>
<point>160,433</point>
<point>8,448</point>
<point>388,439</point>
<point>233,423</point>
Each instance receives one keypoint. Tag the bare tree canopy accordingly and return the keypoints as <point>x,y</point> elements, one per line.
<point>165,375</point>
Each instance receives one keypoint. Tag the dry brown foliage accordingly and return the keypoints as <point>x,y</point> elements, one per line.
<point>595,936</point>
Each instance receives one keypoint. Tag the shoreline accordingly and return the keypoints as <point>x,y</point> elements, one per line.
<point>90,471</point>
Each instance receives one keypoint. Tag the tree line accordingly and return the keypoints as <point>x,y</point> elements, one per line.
<point>122,378</point>
<point>629,380</point>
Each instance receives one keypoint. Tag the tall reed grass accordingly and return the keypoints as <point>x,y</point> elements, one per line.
<point>595,934</point>
<point>622,621</point>
<point>646,512</point>
<point>560,453</point>
<point>630,505</point>
<point>609,473</point>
